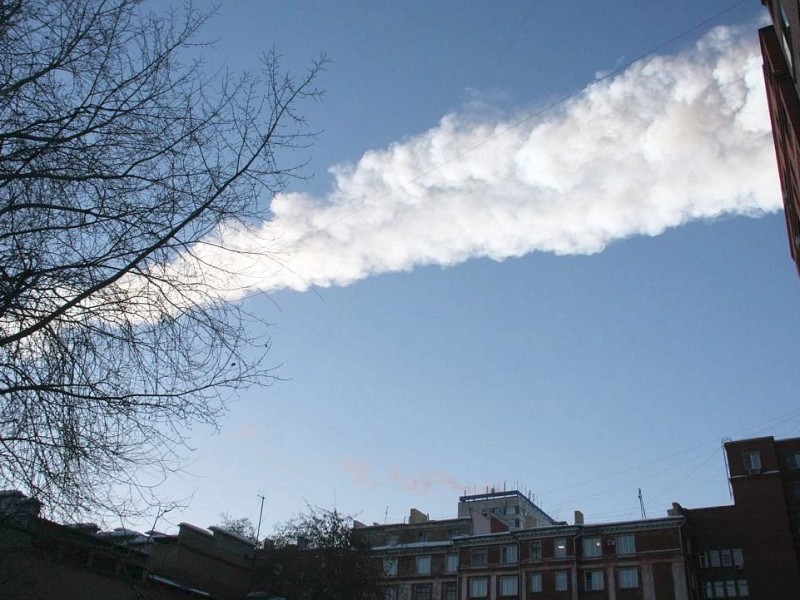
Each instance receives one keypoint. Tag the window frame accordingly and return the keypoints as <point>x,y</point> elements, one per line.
<point>793,461</point>
<point>502,580</point>
<point>390,560</point>
<point>478,580</point>
<point>476,553</point>
<point>752,461</point>
<point>509,554</point>
<point>594,580</point>
<point>532,588</point>
<point>593,547</point>
<point>560,576</point>
<point>560,550</point>
<point>423,559</point>
<point>420,587</point>
<point>625,544</point>
<point>448,560</point>
<point>627,578</point>
<point>536,550</point>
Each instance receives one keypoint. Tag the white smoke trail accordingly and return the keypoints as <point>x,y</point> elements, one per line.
<point>670,140</point>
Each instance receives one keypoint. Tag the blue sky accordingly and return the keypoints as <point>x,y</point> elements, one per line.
<point>579,301</point>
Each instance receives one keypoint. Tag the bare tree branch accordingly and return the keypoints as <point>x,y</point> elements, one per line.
<point>118,155</point>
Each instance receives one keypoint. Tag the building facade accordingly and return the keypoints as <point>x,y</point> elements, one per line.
<point>751,549</point>
<point>779,48</point>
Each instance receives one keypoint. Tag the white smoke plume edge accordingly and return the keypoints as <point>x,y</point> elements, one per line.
<point>670,140</point>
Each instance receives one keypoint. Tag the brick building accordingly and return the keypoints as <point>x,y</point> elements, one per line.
<point>751,549</point>
<point>779,48</point>
<point>480,557</point>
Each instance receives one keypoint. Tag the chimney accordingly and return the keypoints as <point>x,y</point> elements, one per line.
<point>578,517</point>
<point>417,516</point>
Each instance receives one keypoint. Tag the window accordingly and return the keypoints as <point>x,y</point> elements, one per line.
<point>535,583</point>
<point>449,591</point>
<point>390,593</point>
<point>793,460</point>
<point>593,580</point>
<point>752,461</point>
<point>708,589</point>
<point>727,559</point>
<point>713,557</point>
<point>626,544</point>
<point>730,588</point>
<point>561,581</point>
<point>796,490</point>
<point>509,585</point>
<point>628,578</point>
<point>536,550</point>
<point>592,547</point>
<point>719,589</point>
<point>738,557</point>
<point>478,557</point>
<point>423,565</point>
<point>509,555</point>
<point>703,559</point>
<point>560,547</point>
<point>392,539</point>
<point>423,591</point>
<point>744,591</point>
<point>478,587</point>
<point>451,563</point>
<point>390,567</point>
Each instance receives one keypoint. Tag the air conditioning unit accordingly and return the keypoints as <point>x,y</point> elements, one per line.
<point>611,542</point>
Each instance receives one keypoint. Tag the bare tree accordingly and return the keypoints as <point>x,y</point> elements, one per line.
<point>242,526</point>
<point>319,556</point>
<point>118,155</point>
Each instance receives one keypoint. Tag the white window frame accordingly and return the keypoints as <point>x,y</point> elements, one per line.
<point>592,547</point>
<point>628,578</point>
<point>752,461</point>
<point>535,583</point>
<point>423,564</point>
<point>562,581</point>
<point>478,587</point>
<point>509,585</point>
<point>509,554</point>
<point>625,544</point>
<point>451,563</point>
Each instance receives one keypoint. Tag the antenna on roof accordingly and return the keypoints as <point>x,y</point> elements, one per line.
<point>641,504</point>
<point>386,515</point>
